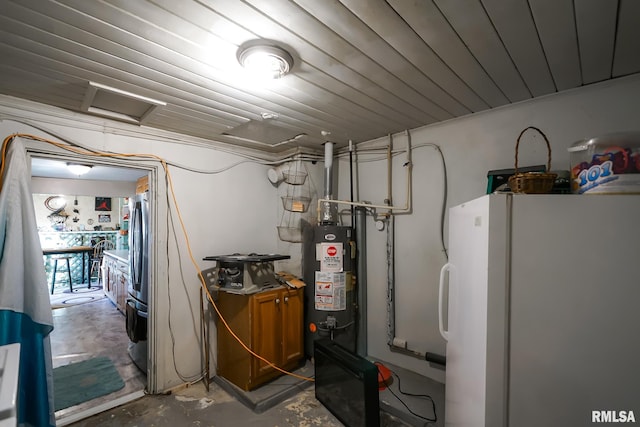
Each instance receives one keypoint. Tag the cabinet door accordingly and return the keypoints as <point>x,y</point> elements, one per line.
<point>117,284</point>
<point>106,271</point>
<point>110,282</point>
<point>125,290</point>
<point>121,285</point>
<point>234,362</point>
<point>121,294</point>
<point>266,316</point>
<point>292,324</point>
<point>104,274</point>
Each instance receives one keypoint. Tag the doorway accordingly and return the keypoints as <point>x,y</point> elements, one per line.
<point>95,328</point>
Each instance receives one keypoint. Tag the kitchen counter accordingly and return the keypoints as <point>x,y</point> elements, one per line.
<point>119,254</point>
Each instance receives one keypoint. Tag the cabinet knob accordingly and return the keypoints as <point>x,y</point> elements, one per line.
<point>286,299</point>
<point>277,300</point>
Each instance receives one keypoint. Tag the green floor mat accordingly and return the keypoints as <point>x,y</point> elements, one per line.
<point>82,381</point>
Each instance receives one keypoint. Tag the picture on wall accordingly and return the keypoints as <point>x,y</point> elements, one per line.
<point>103,203</point>
<point>104,218</point>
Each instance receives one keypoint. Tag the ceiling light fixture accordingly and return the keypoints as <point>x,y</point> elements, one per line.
<point>265,61</point>
<point>78,169</point>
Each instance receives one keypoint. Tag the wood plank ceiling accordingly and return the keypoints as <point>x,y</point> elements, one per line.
<point>362,68</point>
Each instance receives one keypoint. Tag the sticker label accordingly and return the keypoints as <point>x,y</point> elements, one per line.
<point>595,176</point>
<point>330,291</point>
<point>331,257</point>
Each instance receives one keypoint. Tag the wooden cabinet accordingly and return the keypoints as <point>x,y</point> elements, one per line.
<point>270,323</point>
<point>115,277</point>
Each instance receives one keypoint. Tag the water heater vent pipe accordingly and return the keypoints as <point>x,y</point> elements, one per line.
<point>328,170</point>
<point>328,200</point>
<point>327,213</point>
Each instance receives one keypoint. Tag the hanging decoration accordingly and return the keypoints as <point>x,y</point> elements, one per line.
<point>58,216</point>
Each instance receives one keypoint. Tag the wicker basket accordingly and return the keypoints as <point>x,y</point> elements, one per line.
<point>533,182</point>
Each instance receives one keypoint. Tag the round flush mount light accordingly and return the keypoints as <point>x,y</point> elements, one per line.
<point>77,169</point>
<point>267,61</point>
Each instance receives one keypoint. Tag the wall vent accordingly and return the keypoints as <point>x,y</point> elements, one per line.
<point>265,132</point>
<point>118,104</point>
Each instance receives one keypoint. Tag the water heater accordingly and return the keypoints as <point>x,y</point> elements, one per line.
<point>330,300</point>
<point>328,262</point>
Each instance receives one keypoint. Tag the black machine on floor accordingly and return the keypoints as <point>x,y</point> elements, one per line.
<point>346,384</point>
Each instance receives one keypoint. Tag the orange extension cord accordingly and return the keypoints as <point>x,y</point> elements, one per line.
<point>76,150</point>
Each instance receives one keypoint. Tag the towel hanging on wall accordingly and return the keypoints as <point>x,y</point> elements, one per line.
<point>25,311</point>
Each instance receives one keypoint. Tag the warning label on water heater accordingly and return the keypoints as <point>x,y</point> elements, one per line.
<point>331,291</point>
<point>330,256</point>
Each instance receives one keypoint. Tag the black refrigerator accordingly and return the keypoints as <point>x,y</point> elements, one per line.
<point>137,309</point>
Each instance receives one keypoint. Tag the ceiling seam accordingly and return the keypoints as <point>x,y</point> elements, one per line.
<point>489,76</point>
<point>575,26</point>
<point>439,57</point>
<point>413,66</point>
<point>615,38</point>
<point>546,59</point>
<point>504,46</point>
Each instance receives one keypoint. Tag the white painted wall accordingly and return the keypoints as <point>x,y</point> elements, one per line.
<point>472,146</point>
<point>85,214</point>
<point>82,187</point>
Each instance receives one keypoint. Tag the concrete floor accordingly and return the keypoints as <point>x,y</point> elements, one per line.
<point>216,408</point>
<point>97,328</point>
<point>89,330</point>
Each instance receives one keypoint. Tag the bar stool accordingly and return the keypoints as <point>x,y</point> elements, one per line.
<point>55,269</point>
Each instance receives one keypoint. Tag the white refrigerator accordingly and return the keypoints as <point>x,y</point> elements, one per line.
<point>540,307</point>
